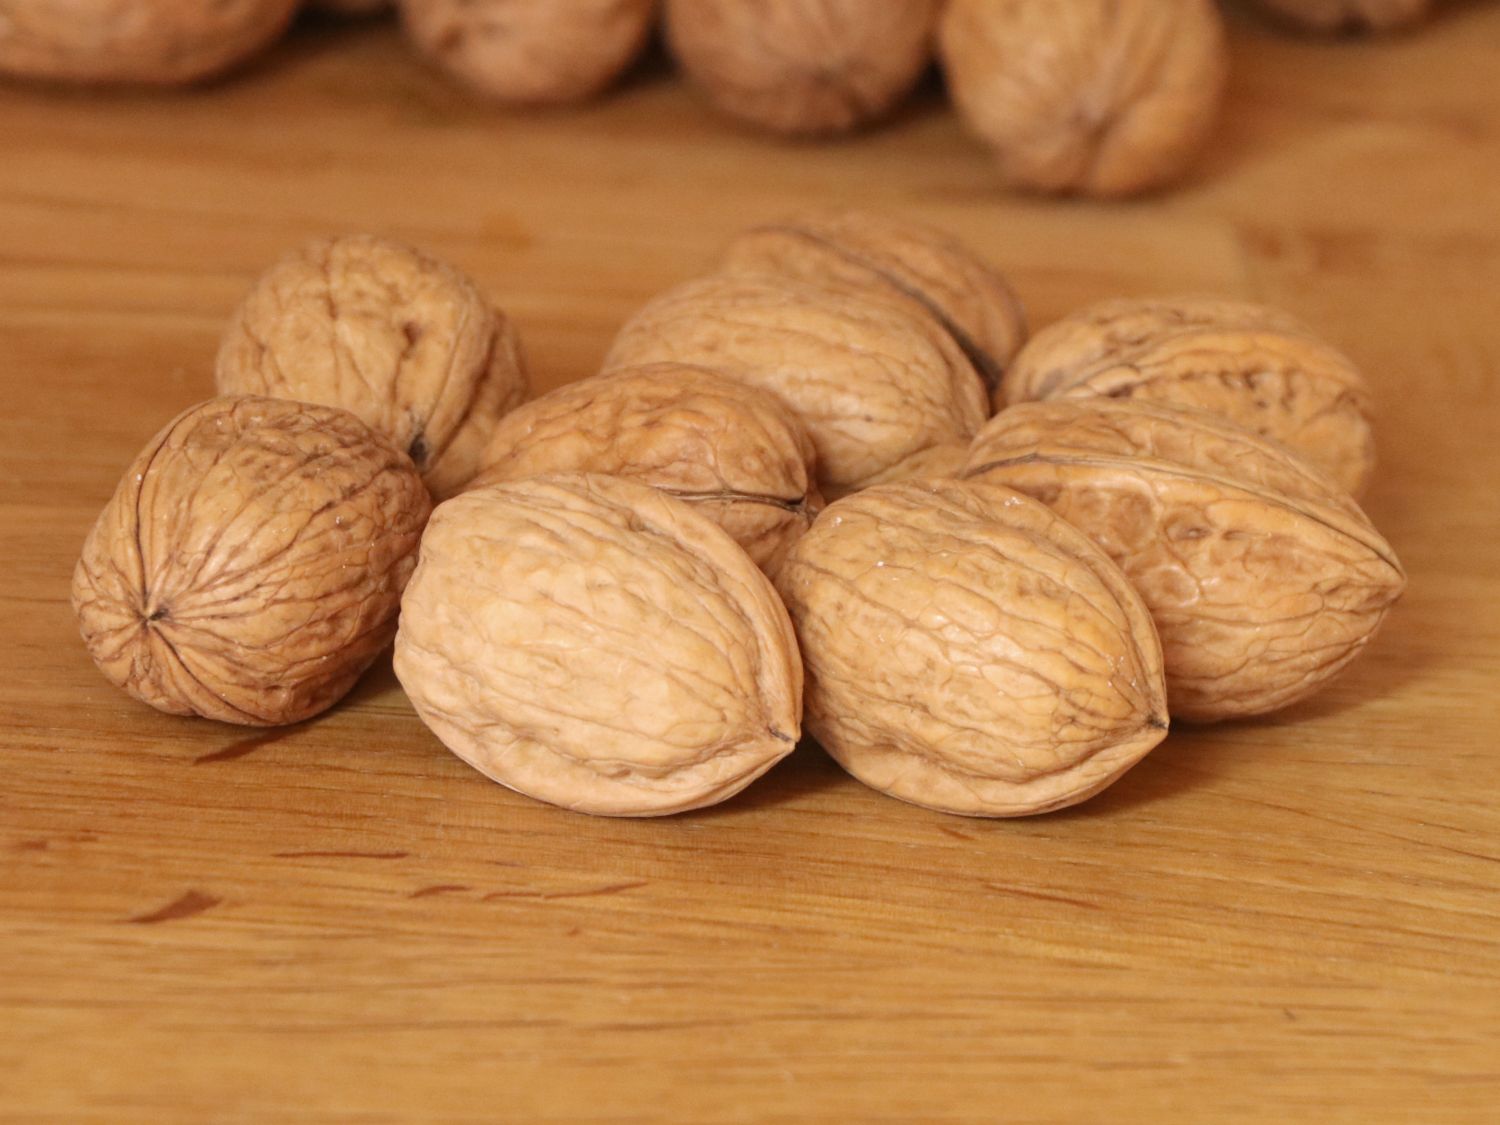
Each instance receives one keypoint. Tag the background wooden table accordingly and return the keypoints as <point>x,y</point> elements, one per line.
<point>1293,919</point>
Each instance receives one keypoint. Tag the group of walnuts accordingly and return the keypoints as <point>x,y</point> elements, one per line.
<point>1100,97</point>
<point>787,496</point>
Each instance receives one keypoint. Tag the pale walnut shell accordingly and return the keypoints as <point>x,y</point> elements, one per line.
<point>894,256</point>
<point>875,382</point>
<point>250,564</point>
<point>1100,97</point>
<point>1264,578</point>
<point>1256,366</point>
<point>803,67</point>
<point>967,650</point>
<point>733,451</point>
<point>531,53</point>
<point>1350,15</point>
<point>598,644</point>
<point>402,340</point>
<point>146,42</point>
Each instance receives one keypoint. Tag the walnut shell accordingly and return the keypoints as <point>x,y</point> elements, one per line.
<point>733,451</point>
<point>968,651</point>
<point>250,565</point>
<point>595,643</point>
<point>1255,366</point>
<point>803,67</point>
<point>149,42</point>
<point>876,383</point>
<point>898,257</point>
<point>1102,97</point>
<point>1264,578</point>
<point>402,340</point>
<point>531,53</point>
<point>1350,15</point>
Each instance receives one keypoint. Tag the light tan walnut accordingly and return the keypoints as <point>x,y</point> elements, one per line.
<point>401,339</point>
<point>733,451</point>
<point>250,565</point>
<point>1264,578</point>
<point>147,42</point>
<point>1256,366</point>
<point>529,52</point>
<point>967,650</point>
<point>876,382</point>
<point>1350,15</point>
<point>803,67</point>
<point>896,257</point>
<point>598,644</point>
<point>1100,97</point>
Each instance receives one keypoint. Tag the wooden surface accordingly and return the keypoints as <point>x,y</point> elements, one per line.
<point>1294,919</point>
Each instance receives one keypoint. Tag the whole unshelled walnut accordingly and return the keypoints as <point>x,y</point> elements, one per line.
<point>250,565</point>
<point>967,650</point>
<point>896,257</point>
<point>147,42</point>
<point>531,53</point>
<point>877,383</point>
<point>598,644</point>
<point>1350,15</point>
<point>402,340</point>
<point>803,67</point>
<point>1256,366</point>
<point>1264,578</point>
<point>1102,97</point>
<point>735,452</point>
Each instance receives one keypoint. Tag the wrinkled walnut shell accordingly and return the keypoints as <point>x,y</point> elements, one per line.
<point>803,67</point>
<point>876,383</point>
<point>400,339</point>
<point>1264,579</point>
<point>733,451</point>
<point>1256,366</point>
<point>967,650</point>
<point>149,42</point>
<point>901,258</point>
<point>250,565</point>
<point>1349,15</point>
<point>531,53</point>
<point>597,644</point>
<point>1101,97</point>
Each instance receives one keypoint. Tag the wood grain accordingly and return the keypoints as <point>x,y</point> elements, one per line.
<point>1293,919</point>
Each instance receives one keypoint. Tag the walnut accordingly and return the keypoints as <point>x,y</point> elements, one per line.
<point>876,382</point>
<point>598,644</point>
<point>250,565</point>
<point>896,257</point>
<point>733,451</point>
<point>402,340</point>
<point>1256,366</point>
<point>150,42</point>
<point>1350,15</point>
<point>531,53</point>
<point>1263,577</point>
<point>968,651</point>
<point>1102,97</point>
<point>803,67</point>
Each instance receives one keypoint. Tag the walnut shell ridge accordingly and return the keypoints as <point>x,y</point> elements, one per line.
<point>400,339</point>
<point>598,644</point>
<point>1257,367</point>
<point>146,42</point>
<point>1263,577</point>
<point>967,650</point>
<point>733,451</point>
<point>250,564</point>
<point>531,53</point>
<point>1099,97</point>
<point>803,67</point>
<point>875,382</point>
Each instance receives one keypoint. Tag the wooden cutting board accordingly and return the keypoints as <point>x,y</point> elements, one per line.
<point>1295,919</point>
